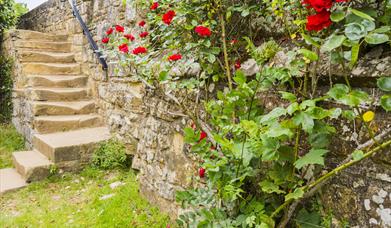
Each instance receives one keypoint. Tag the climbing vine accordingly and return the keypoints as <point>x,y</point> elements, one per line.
<point>257,161</point>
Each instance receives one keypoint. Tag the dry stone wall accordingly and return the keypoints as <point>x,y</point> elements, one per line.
<point>147,123</point>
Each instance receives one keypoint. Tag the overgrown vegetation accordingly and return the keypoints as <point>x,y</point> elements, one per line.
<point>10,141</point>
<point>5,89</point>
<point>110,155</point>
<point>10,11</point>
<point>81,200</point>
<point>258,162</point>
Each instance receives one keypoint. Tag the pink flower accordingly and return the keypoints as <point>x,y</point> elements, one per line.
<point>144,34</point>
<point>141,23</point>
<point>119,28</point>
<point>175,57</point>
<point>123,48</point>
<point>203,31</point>
<point>139,50</point>
<point>168,17</point>
<point>109,31</point>
<point>105,40</point>
<point>129,37</point>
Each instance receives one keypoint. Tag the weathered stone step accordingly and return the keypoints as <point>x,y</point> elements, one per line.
<point>63,108</point>
<point>10,180</point>
<point>51,68</point>
<point>57,81</point>
<point>32,165</point>
<point>70,145</point>
<point>47,57</point>
<point>50,124</point>
<point>44,46</point>
<point>58,94</point>
<point>34,35</point>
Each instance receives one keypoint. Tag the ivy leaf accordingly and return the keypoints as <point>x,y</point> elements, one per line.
<point>270,187</point>
<point>297,194</point>
<point>288,96</point>
<point>384,83</point>
<point>314,156</point>
<point>337,16</point>
<point>305,120</point>
<point>309,54</point>
<point>361,14</point>
<point>376,38</point>
<point>385,102</point>
<point>333,42</point>
<point>357,155</point>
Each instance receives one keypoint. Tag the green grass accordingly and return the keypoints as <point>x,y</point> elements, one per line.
<point>10,141</point>
<point>73,200</point>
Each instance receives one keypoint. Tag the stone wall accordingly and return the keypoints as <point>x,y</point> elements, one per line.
<point>147,123</point>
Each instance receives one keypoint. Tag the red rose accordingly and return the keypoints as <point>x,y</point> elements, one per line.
<point>123,48</point>
<point>154,6</point>
<point>175,57</point>
<point>168,17</point>
<point>119,28</point>
<point>144,34</point>
<point>203,31</point>
<point>129,37</point>
<point>341,0</point>
<point>203,135</point>
<point>141,23</point>
<point>318,5</point>
<point>238,65</point>
<point>105,40</point>
<point>201,172</point>
<point>318,21</point>
<point>139,50</point>
<point>109,31</point>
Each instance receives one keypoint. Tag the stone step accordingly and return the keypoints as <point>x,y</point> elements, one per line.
<point>34,35</point>
<point>46,57</point>
<point>70,145</point>
<point>10,180</point>
<point>57,81</point>
<point>57,94</point>
<point>51,68</point>
<point>63,108</point>
<point>32,165</point>
<point>44,46</point>
<point>50,124</point>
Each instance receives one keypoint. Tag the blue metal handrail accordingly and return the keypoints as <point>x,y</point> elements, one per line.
<point>87,33</point>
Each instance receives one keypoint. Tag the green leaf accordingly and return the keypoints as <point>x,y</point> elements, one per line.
<point>310,40</point>
<point>276,130</point>
<point>211,58</point>
<point>382,29</point>
<point>337,16</point>
<point>270,187</point>
<point>305,120</point>
<point>274,114</point>
<point>338,91</point>
<point>357,155</point>
<point>163,76</point>
<point>355,31</point>
<point>354,55</point>
<point>292,108</point>
<point>309,54</point>
<point>288,96</point>
<point>376,38</point>
<point>361,14</point>
<point>305,219</point>
<point>333,42</point>
<point>314,156</point>
<point>368,25</point>
<point>385,102</point>
<point>384,83</point>
<point>240,78</point>
<point>190,135</point>
<point>317,113</point>
<point>297,194</point>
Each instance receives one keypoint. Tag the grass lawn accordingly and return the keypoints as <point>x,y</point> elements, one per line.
<point>10,141</point>
<point>76,200</point>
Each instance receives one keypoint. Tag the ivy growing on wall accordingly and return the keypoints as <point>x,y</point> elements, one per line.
<point>256,163</point>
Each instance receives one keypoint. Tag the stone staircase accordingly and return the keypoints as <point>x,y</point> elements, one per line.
<point>65,125</point>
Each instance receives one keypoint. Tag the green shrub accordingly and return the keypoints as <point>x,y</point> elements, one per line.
<point>5,89</point>
<point>109,155</point>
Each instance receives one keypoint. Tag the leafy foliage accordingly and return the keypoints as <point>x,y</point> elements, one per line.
<point>109,155</point>
<point>6,84</point>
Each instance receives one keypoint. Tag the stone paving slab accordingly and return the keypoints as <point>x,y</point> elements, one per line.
<point>10,180</point>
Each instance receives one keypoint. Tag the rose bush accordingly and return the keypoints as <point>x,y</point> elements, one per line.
<point>255,161</point>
